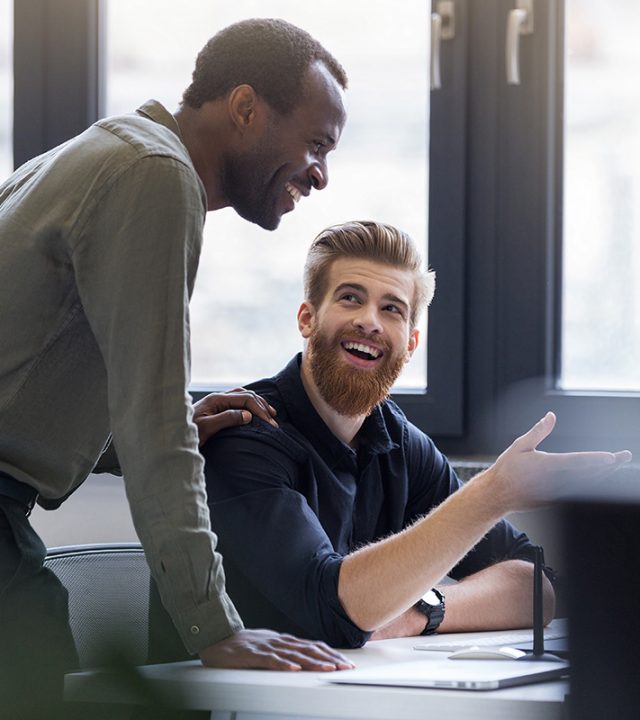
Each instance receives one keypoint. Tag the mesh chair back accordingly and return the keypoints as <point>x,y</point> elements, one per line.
<point>108,588</point>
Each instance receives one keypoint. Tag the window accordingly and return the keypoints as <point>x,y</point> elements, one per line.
<point>249,283</point>
<point>514,330</point>
<point>524,280</point>
<point>601,234</point>
<point>6,88</point>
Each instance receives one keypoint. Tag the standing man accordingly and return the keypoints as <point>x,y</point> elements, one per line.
<point>99,245</point>
<point>335,524</point>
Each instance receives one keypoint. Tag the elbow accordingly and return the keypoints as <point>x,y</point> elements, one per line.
<point>338,631</point>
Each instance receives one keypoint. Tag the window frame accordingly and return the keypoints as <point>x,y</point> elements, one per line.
<point>513,276</point>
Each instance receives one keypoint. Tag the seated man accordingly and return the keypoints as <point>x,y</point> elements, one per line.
<point>335,524</point>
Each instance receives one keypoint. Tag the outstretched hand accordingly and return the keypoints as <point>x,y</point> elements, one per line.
<point>235,407</point>
<point>529,477</point>
<point>268,650</point>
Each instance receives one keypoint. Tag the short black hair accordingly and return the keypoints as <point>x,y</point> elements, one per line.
<point>269,54</point>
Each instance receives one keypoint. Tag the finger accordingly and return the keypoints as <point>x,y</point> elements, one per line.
<point>306,661</point>
<point>275,661</point>
<point>317,650</point>
<point>541,430</point>
<point>585,461</point>
<point>258,398</point>
<point>209,425</point>
<point>255,404</point>
<point>217,403</point>
<point>623,457</point>
<point>252,659</point>
<point>261,408</point>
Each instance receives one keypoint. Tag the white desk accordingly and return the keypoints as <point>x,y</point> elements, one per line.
<point>262,695</point>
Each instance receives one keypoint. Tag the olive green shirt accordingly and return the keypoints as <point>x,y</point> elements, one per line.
<point>99,246</point>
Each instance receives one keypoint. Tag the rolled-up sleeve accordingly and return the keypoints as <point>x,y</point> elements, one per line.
<point>270,535</point>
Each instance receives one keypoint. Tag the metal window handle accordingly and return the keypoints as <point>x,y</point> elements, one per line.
<point>519,22</point>
<point>442,28</point>
<point>436,37</point>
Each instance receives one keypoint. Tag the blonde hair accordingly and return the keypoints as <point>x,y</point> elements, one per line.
<point>373,241</point>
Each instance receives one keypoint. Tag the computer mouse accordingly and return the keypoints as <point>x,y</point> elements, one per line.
<point>487,653</point>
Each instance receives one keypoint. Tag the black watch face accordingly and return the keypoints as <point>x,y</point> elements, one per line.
<point>431,598</point>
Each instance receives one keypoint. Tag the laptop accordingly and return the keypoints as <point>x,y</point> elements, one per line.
<point>454,675</point>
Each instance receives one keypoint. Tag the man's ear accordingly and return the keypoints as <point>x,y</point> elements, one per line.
<point>306,319</point>
<point>414,338</point>
<point>243,107</point>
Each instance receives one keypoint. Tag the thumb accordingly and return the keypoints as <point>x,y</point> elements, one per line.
<point>212,424</point>
<point>541,430</point>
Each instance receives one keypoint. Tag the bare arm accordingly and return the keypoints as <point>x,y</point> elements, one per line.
<point>496,598</point>
<point>499,597</point>
<point>378,583</point>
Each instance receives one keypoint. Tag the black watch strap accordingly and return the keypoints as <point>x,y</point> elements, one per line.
<point>432,607</point>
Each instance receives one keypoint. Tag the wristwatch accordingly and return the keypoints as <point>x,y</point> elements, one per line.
<point>432,607</point>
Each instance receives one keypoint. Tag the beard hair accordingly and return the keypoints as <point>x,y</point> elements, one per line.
<point>346,389</point>
<point>249,185</point>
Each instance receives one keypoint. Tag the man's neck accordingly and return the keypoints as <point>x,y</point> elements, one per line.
<point>197,127</point>
<point>344,428</point>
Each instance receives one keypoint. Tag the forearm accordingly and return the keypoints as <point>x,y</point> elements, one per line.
<point>149,226</point>
<point>496,598</point>
<point>499,597</point>
<point>381,581</point>
<point>409,624</point>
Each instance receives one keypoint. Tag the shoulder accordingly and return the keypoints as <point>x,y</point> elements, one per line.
<point>146,149</point>
<point>258,437</point>
<point>145,134</point>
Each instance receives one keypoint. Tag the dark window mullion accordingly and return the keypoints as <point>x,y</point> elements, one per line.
<point>56,60</point>
<point>441,411</point>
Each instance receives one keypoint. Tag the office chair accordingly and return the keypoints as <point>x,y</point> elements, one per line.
<point>108,588</point>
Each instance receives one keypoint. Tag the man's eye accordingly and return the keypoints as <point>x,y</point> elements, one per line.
<point>394,309</point>
<point>317,146</point>
<point>349,297</point>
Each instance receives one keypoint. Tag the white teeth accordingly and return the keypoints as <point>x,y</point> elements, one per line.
<point>294,192</point>
<point>362,348</point>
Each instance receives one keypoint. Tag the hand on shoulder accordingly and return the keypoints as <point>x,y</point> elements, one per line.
<point>217,411</point>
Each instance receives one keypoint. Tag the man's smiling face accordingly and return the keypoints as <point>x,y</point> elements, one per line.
<point>361,336</point>
<point>289,157</point>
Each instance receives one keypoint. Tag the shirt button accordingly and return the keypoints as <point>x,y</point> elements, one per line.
<point>194,629</point>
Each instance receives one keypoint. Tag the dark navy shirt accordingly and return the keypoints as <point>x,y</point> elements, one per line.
<point>289,503</point>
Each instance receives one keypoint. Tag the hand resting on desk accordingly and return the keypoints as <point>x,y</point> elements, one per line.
<point>268,650</point>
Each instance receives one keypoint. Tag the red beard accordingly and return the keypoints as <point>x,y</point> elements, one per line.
<point>349,390</point>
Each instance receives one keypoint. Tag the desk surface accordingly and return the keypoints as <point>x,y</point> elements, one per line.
<point>309,695</point>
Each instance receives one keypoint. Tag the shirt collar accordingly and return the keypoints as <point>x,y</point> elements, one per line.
<point>158,113</point>
<point>374,438</point>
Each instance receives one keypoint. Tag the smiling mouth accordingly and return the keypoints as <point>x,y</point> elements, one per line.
<point>294,192</point>
<point>362,351</point>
